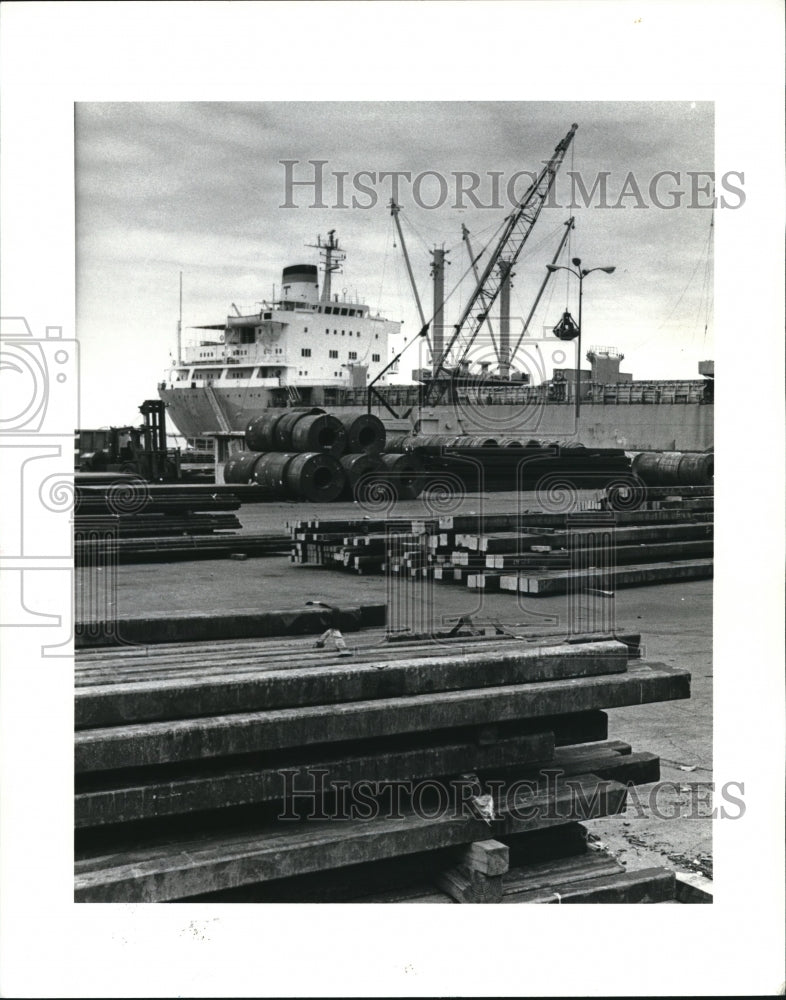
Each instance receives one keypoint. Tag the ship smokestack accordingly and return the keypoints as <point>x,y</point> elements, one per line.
<point>300,283</point>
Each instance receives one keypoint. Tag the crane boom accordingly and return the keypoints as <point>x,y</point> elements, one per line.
<point>568,226</point>
<point>514,235</point>
<point>473,261</point>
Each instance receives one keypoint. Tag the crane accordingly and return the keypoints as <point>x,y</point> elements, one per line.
<point>515,233</point>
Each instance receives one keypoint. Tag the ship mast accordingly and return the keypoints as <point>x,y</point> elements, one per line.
<point>332,258</point>
<point>438,326</point>
<point>180,325</point>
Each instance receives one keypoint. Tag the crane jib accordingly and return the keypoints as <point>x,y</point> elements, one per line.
<point>516,232</point>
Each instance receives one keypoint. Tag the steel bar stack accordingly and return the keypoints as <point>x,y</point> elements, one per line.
<point>665,538</point>
<point>356,767</point>
<point>131,520</point>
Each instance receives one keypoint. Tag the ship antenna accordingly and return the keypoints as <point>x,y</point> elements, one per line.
<point>332,258</point>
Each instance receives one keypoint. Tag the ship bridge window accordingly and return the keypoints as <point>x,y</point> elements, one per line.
<point>333,354</point>
<point>353,355</point>
<point>375,357</point>
<point>246,336</point>
<point>267,316</point>
<point>305,352</point>
<point>344,312</point>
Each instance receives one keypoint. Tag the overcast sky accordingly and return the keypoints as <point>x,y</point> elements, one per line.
<point>200,188</point>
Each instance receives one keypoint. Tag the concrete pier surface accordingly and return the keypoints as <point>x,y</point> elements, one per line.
<point>667,824</point>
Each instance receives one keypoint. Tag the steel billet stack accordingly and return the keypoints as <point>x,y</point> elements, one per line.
<point>666,537</point>
<point>130,520</point>
<point>196,757</point>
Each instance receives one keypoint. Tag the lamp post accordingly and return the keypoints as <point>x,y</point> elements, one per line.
<point>580,273</point>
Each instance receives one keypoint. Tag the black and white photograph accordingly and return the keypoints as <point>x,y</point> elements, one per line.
<point>360,427</point>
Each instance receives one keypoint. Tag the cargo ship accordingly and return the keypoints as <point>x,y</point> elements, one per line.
<point>309,346</point>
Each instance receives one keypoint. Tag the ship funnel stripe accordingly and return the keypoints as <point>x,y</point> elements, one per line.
<point>301,272</point>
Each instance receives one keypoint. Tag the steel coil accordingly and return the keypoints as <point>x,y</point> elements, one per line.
<point>319,432</point>
<point>239,468</point>
<point>282,437</point>
<point>405,474</point>
<point>696,470</point>
<point>658,468</point>
<point>314,476</point>
<point>365,433</point>
<point>398,442</point>
<point>359,470</point>
<point>271,470</point>
<point>260,431</point>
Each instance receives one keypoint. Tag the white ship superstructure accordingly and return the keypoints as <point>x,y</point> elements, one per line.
<point>295,348</point>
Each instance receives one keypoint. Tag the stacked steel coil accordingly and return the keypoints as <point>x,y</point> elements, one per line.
<point>305,453</point>
<point>508,465</point>
<point>674,468</point>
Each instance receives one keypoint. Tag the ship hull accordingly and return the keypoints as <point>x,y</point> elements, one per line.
<point>635,426</point>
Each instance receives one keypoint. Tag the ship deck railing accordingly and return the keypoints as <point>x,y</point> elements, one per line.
<point>622,393</point>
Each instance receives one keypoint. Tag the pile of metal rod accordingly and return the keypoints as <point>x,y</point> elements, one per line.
<point>195,761</point>
<point>666,539</point>
<point>130,520</point>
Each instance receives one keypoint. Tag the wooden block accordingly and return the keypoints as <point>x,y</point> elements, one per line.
<point>466,886</point>
<point>248,732</point>
<point>488,857</point>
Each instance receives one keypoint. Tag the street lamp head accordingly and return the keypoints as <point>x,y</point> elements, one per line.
<point>552,267</point>
<point>576,261</point>
<point>609,270</point>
